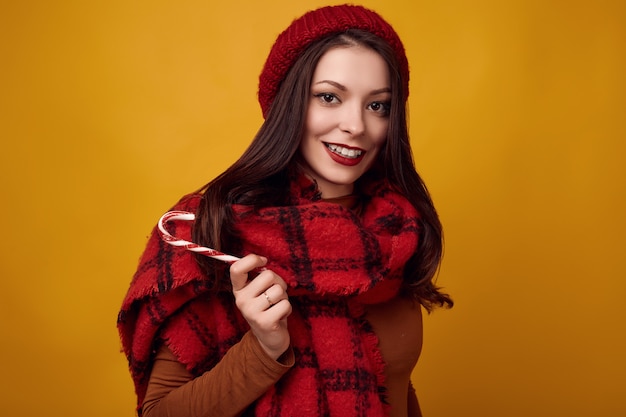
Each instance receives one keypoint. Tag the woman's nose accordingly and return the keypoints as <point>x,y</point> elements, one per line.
<point>352,120</point>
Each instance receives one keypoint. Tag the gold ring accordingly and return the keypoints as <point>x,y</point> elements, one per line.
<point>267,297</point>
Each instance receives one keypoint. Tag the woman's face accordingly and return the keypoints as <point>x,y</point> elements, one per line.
<point>347,118</point>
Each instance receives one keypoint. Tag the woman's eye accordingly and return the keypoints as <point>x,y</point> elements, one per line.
<point>326,97</point>
<point>380,107</point>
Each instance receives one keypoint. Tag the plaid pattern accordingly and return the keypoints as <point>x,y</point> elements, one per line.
<point>334,263</point>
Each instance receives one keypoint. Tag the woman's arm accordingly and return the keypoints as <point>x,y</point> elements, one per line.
<point>242,376</point>
<point>413,405</point>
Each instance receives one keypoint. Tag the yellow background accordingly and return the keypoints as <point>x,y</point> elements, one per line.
<point>111,110</point>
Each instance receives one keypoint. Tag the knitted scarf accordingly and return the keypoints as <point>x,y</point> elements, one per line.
<point>334,263</point>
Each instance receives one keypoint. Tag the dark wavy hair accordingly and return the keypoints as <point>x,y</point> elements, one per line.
<point>261,175</point>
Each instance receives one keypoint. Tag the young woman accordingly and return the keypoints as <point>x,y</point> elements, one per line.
<point>339,238</point>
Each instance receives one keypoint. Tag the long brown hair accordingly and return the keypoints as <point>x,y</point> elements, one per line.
<point>260,176</point>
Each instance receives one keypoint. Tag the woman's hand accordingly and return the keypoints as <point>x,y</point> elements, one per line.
<point>263,302</point>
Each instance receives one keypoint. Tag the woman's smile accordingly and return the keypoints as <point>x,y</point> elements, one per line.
<point>344,154</point>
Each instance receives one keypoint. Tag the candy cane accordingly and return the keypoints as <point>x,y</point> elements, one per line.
<point>174,241</point>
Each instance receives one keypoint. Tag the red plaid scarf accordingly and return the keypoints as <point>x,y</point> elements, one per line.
<point>334,263</point>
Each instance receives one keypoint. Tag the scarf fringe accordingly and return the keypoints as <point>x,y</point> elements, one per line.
<point>371,343</point>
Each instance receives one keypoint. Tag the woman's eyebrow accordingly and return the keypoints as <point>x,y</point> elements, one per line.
<point>333,83</point>
<point>381,90</point>
<point>344,88</point>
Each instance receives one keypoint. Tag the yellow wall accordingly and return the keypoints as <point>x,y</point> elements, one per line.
<point>110,110</point>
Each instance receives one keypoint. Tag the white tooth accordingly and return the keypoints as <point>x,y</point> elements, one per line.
<point>345,152</point>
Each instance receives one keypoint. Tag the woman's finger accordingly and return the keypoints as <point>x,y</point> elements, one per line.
<point>273,295</point>
<point>264,280</point>
<point>240,269</point>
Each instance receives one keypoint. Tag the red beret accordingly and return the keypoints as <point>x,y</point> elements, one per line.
<point>315,25</point>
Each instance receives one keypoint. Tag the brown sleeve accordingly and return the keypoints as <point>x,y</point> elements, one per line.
<point>241,377</point>
<point>413,406</point>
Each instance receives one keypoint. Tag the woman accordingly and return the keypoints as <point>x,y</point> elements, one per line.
<point>322,316</point>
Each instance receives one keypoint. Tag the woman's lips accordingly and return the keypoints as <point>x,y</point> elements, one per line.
<point>344,155</point>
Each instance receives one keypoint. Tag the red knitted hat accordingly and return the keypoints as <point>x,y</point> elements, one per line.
<point>315,25</point>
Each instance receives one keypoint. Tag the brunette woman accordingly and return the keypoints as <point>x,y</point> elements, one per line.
<point>339,240</point>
